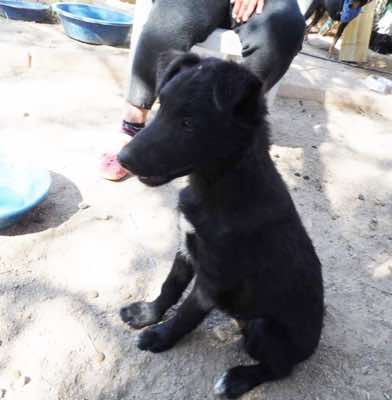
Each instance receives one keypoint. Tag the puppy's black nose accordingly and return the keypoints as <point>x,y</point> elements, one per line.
<point>123,159</point>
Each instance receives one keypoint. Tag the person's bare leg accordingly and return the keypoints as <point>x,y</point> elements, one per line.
<point>134,114</point>
<point>171,25</point>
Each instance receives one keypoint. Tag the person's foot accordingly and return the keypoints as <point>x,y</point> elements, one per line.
<point>110,168</point>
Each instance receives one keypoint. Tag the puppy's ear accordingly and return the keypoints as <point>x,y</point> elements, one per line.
<point>236,90</point>
<point>171,63</point>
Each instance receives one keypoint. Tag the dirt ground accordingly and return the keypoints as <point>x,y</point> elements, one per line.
<point>66,269</point>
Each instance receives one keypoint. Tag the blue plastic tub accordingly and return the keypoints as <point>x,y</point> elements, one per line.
<point>24,10</point>
<point>94,24</point>
<point>22,187</point>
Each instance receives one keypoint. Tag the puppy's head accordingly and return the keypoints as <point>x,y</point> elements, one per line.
<point>209,110</point>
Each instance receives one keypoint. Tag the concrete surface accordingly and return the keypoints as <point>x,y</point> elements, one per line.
<point>328,82</point>
<point>65,270</point>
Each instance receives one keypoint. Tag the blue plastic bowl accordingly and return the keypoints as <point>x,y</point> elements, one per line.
<point>24,10</point>
<point>92,24</point>
<point>22,187</point>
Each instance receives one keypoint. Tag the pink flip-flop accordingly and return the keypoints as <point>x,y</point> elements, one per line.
<point>111,169</point>
<point>109,166</point>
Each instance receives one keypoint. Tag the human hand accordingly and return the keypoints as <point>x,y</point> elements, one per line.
<point>244,9</point>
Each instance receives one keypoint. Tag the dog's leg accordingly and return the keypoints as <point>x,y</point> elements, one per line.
<point>141,314</point>
<point>190,314</point>
<point>311,9</point>
<point>239,380</point>
<point>265,342</point>
<point>319,12</point>
<point>341,28</point>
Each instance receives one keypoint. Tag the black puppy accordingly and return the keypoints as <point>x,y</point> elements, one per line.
<point>243,241</point>
<point>334,9</point>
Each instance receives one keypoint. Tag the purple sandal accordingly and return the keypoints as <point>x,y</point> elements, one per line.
<point>131,128</point>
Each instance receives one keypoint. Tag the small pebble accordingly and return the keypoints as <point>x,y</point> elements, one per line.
<point>365,370</point>
<point>221,333</point>
<point>226,331</point>
<point>2,393</point>
<point>303,110</point>
<point>276,155</point>
<point>379,202</point>
<point>306,177</point>
<point>301,103</point>
<point>314,146</point>
<point>361,197</point>
<point>373,224</point>
<point>105,217</point>
<point>317,128</point>
<point>100,357</point>
<point>319,187</point>
<point>26,114</point>
<point>334,217</point>
<point>83,205</point>
<point>76,379</point>
<point>93,294</point>
<point>16,374</point>
<point>297,174</point>
<point>21,381</point>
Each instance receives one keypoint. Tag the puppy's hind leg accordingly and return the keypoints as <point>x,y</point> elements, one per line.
<point>265,342</point>
<point>239,380</point>
<point>141,314</point>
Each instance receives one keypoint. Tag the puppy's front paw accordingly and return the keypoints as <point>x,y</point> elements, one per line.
<point>140,314</point>
<point>155,339</point>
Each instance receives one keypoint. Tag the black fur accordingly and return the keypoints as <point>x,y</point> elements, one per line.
<point>248,250</point>
<point>381,43</point>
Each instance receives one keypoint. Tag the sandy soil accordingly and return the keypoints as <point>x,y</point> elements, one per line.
<point>66,270</point>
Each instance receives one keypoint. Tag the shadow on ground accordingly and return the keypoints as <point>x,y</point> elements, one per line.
<point>62,202</point>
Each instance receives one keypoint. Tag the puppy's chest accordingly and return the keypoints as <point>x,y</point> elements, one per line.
<point>186,233</point>
<point>188,223</point>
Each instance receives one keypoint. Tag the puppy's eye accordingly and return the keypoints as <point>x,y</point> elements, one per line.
<point>187,124</point>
